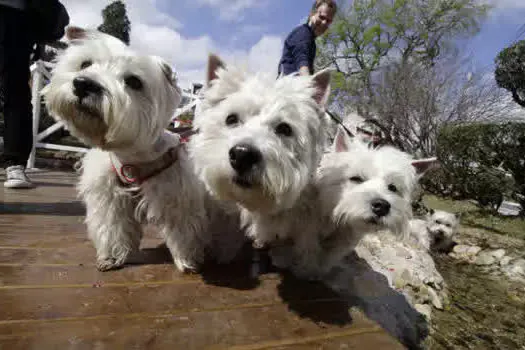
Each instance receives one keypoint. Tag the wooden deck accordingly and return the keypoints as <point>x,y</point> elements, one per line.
<point>52,296</point>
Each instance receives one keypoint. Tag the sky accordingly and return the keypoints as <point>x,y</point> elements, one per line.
<point>252,32</point>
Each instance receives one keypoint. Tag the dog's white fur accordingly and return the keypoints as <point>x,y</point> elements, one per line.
<point>126,122</point>
<point>337,210</point>
<point>436,232</point>
<point>281,120</point>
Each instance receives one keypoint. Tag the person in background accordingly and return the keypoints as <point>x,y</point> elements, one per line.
<point>23,23</point>
<point>299,47</point>
<point>15,49</point>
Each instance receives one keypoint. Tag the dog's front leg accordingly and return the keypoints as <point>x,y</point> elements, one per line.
<point>112,228</point>
<point>307,253</point>
<point>185,247</point>
<point>337,247</point>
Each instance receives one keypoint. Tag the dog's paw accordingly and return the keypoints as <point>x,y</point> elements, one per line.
<point>186,265</point>
<point>307,273</point>
<point>259,244</point>
<point>282,257</point>
<point>106,264</point>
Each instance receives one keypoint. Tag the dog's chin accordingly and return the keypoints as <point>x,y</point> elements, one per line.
<point>367,224</point>
<point>88,111</point>
<point>243,182</point>
<point>373,220</point>
<point>253,197</point>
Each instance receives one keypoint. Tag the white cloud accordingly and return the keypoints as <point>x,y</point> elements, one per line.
<point>508,4</point>
<point>89,13</point>
<point>264,56</point>
<point>156,33</point>
<point>232,10</point>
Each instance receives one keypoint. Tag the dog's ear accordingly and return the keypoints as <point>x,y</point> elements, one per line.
<point>214,63</point>
<point>75,33</point>
<point>322,86</point>
<point>169,73</point>
<point>342,140</point>
<point>423,165</point>
<point>431,211</point>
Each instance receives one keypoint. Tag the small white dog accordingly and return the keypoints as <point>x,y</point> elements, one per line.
<point>358,190</point>
<point>437,232</point>
<point>260,140</point>
<point>119,103</point>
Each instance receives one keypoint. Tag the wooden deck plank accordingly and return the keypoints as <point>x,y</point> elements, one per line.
<point>238,329</point>
<point>52,296</point>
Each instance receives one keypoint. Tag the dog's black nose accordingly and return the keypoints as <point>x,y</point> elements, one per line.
<point>84,86</point>
<point>243,157</point>
<point>439,234</point>
<point>380,207</point>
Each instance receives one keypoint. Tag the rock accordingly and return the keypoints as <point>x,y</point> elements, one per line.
<point>434,299</point>
<point>409,269</point>
<point>465,252</point>
<point>498,254</point>
<point>461,249</point>
<point>485,258</point>
<point>505,261</point>
<point>403,252</point>
<point>473,250</point>
<point>424,309</point>
<point>515,270</point>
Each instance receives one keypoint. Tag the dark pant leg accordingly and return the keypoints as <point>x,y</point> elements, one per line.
<point>15,49</point>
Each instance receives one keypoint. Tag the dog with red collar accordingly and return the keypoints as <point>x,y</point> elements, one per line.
<point>120,103</point>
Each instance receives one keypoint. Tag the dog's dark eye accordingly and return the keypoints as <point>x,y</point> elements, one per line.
<point>283,129</point>
<point>357,179</point>
<point>438,222</point>
<point>448,225</point>
<point>232,119</point>
<point>86,64</point>
<point>133,82</point>
<point>392,188</point>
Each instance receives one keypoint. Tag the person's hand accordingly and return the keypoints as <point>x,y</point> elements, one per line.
<point>304,70</point>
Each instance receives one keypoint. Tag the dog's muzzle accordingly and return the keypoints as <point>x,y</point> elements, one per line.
<point>84,87</point>
<point>380,207</point>
<point>244,157</point>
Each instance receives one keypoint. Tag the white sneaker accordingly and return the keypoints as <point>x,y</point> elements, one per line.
<point>17,178</point>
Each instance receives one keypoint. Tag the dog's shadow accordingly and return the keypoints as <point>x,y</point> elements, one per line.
<point>361,286</point>
<point>355,284</point>
<point>242,273</point>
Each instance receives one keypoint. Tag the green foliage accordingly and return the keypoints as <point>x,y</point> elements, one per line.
<point>475,159</point>
<point>366,32</point>
<point>510,71</point>
<point>116,21</point>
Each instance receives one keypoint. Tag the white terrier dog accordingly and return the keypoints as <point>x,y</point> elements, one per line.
<point>436,232</point>
<point>120,103</point>
<point>358,190</point>
<point>260,141</point>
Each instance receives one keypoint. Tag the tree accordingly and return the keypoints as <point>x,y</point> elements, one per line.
<point>413,101</point>
<point>510,71</point>
<point>481,161</point>
<point>368,34</point>
<point>116,21</point>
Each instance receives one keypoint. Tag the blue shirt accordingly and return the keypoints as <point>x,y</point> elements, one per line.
<point>299,50</point>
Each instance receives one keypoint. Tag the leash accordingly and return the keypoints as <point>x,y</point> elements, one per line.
<point>340,122</point>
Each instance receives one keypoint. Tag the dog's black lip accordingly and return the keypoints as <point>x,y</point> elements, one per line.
<point>373,220</point>
<point>242,182</point>
<point>87,109</point>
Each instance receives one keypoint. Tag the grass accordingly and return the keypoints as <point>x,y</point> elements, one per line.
<point>474,217</point>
